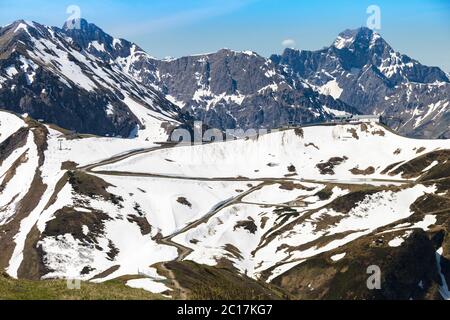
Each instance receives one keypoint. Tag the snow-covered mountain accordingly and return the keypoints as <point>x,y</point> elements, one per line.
<point>102,208</point>
<point>50,76</point>
<point>226,89</point>
<point>359,73</point>
<point>363,70</point>
<point>91,70</point>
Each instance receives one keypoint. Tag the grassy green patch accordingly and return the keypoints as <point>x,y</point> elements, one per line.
<point>216,283</point>
<point>12,289</point>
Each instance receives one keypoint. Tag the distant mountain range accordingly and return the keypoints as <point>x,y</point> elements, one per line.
<point>88,81</point>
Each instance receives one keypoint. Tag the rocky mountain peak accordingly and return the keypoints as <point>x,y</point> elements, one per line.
<point>81,25</point>
<point>350,36</point>
<point>360,38</point>
<point>86,33</point>
<point>21,24</point>
<point>18,35</point>
<point>20,27</point>
<point>361,47</point>
<point>93,39</point>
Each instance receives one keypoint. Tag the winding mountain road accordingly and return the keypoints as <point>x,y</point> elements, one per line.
<point>183,251</point>
<point>168,240</point>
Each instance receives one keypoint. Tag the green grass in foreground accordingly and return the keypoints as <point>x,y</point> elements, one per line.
<point>12,289</point>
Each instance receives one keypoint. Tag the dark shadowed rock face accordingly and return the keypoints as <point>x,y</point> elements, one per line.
<point>373,78</point>
<point>406,272</point>
<point>230,89</point>
<point>359,72</point>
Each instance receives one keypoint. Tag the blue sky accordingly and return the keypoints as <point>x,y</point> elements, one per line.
<point>419,28</point>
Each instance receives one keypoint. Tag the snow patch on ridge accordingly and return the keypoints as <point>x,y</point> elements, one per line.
<point>331,88</point>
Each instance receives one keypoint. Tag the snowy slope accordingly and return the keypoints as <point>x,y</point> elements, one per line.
<point>101,208</point>
<point>259,252</point>
<point>9,124</point>
<point>269,157</point>
<point>66,255</point>
<point>358,146</point>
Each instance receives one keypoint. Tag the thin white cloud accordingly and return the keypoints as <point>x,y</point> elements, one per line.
<point>288,43</point>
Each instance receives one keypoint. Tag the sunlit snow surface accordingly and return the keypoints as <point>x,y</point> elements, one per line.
<point>338,257</point>
<point>148,284</point>
<point>271,154</point>
<point>253,202</point>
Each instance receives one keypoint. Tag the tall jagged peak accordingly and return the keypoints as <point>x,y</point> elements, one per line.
<point>82,25</point>
<point>93,39</point>
<point>361,37</point>
<point>85,32</point>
